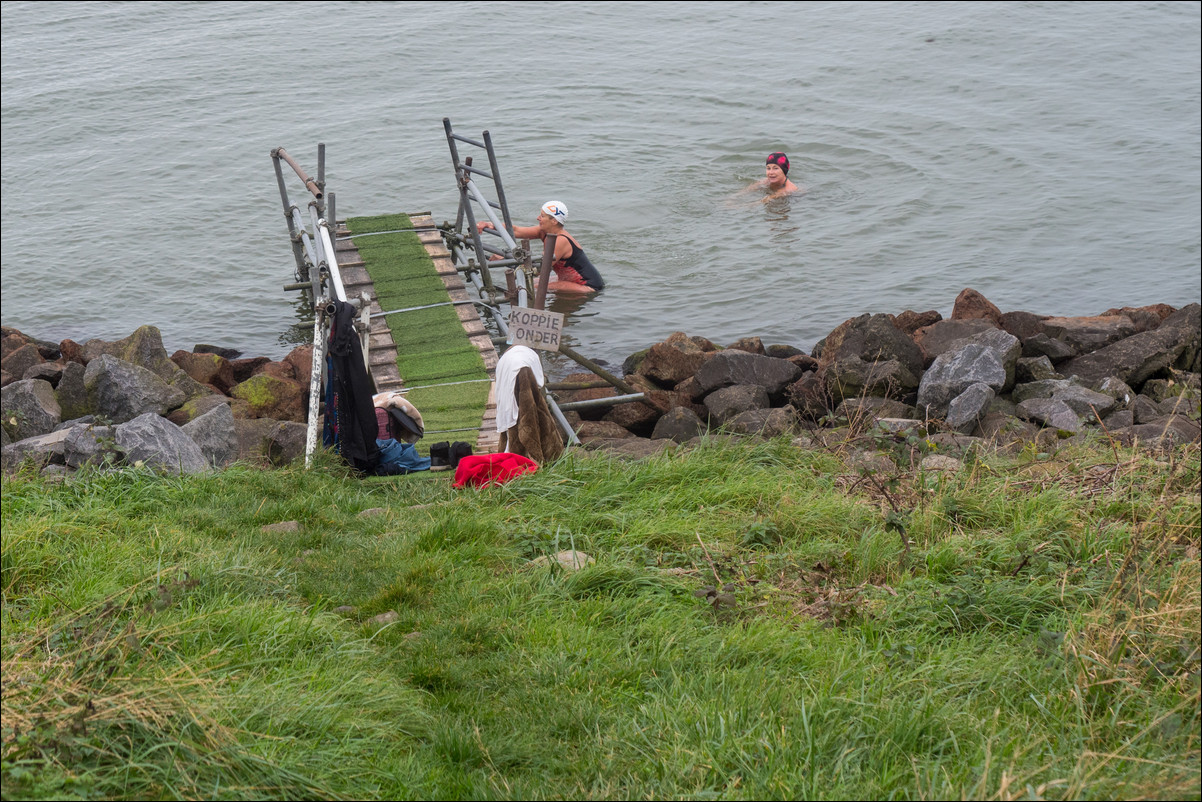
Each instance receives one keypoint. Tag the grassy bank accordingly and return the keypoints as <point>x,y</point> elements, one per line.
<point>760,622</point>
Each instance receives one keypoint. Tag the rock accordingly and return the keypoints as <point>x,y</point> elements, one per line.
<point>214,433</point>
<point>283,527</point>
<point>1042,389</point>
<point>29,408</point>
<point>301,360</point>
<point>679,425</point>
<point>1145,318</point>
<point>785,352</point>
<point>940,337</point>
<point>1022,325</point>
<point>1173,432</point>
<point>71,393</point>
<point>72,352</point>
<point>208,369</point>
<point>728,402</point>
<point>1005,430</point>
<point>752,345</point>
<point>1051,413</point>
<point>272,397</point>
<point>972,305</point>
<point>966,410</point>
<point>46,371</point>
<point>988,358</point>
<point>384,619</point>
<point>673,360</point>
<point>196,407</point>
<point>1134,359</point>
<point>1033,369</point>
<point>867,409</point>
<point>1121,419</point>
<point>633,362</point>
<point>853,377</point>
<point>40,450</point>
<point>954,443</point>
<point>1189,320</point>
<point>728,368</point>
<point>809,396</point>
<point>1085,402</point>
<point>245,368</point>
<point>160,444</point>
<point>569,561</point>
<point>868,340</point>
<point>225,353</point>
<point>143,348</point>
<point>909,321</point>
<point>120,391</point>
<point>636,417</point>
<point>90,445</point>
<point>1042,345</point>
<point>344,609</point>
<point>601,430</point>
<point>1087,334</point>
<point>374,512</point>
<point>764,422</point>
<point>803,361</point>
<point>940,462</point>
<point>1145,410</point>
<point>277,442</point>
<point>1116,388</point>
<point>21,359</point>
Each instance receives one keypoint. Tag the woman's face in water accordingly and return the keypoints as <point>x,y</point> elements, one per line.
<point>776,176</point>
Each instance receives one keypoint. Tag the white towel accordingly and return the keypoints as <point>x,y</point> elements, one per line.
<point>513,360</point>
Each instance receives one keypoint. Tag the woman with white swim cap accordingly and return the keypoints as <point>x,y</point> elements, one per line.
<point>574,273</point>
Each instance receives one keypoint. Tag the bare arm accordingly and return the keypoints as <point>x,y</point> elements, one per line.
<point>519,232</point>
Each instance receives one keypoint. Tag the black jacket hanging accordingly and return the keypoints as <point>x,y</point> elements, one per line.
<point>354,429</point>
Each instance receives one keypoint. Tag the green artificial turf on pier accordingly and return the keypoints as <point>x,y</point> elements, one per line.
<point>433,350</point>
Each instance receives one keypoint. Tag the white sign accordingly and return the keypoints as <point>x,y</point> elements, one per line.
<point>535,328</point>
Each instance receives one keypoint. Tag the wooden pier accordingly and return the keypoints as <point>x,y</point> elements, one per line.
<point>385,355</point>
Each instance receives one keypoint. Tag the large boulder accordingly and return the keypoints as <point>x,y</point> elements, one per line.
<point>1050,413</point>
<point>277,442</point>
<point>121,391</point>
<point>854,377</point>
<point>1145,318</point>
<point>966,410</point>
<point>272,397</point>
<point>809,396</point>
<point>143,348</point>
<point>208,369</point>
<point>1086,403</point>
<point>40,450</point>
<point>1142,356</point>
<point>988,358</point>
<point>910,321</point>
<point>20,359</point>
<point>90,444</point>
<point>972,305</point>
<point>71,393</point>
<point>1087,334</point>
<point>195,407</point>
<point>635,416</point>
<point>728,368</point>
<point>158,443</point>
<point>215,434</point>
<point>728,402</point>
<point>940,337</point>
<point>680,424</point>
<point>29,408</point>
<point>301,360</point>
<point>673,360</point>
<point>764,422</point>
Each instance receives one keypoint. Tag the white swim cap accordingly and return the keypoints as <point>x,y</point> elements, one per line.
<point>556,211</point>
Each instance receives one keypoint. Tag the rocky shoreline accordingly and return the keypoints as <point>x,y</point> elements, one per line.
<point>980,376</point>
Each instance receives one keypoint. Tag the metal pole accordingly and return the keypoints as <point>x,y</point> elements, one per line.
<point>321,174</point>
<point>496,178</point>
<point>297,253</point>
<point>309,182</point>
<point>544,271</point>
<point>602,402</point>
<point>330,212</point>
<point>595,368</point>
<point>315,384</point>
<point>562,420</point>
<point>484,204</point>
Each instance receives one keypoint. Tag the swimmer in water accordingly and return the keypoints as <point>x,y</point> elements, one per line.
<point>776,176</point>
<point>574,273</point>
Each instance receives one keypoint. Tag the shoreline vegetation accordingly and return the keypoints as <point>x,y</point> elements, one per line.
<point>846,607</point>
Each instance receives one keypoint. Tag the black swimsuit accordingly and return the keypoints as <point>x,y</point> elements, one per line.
<point>577,269</point>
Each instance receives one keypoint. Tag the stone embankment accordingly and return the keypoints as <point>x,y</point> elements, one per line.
<point>1007,379</point>
<point>126,402</point>
<point>982,376</point>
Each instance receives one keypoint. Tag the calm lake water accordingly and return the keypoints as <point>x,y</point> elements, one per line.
<point>1045,154</point>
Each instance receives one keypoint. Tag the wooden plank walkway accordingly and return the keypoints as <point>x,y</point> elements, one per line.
<point>382,353</point>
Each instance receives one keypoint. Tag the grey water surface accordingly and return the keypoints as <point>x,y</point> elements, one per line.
<point>1045,154</point>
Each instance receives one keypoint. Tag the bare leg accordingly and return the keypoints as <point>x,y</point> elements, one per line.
<point>569,287</point>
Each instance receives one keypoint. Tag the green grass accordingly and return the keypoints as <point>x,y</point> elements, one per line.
<point>1038,637</point>
<point>432,347</point>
